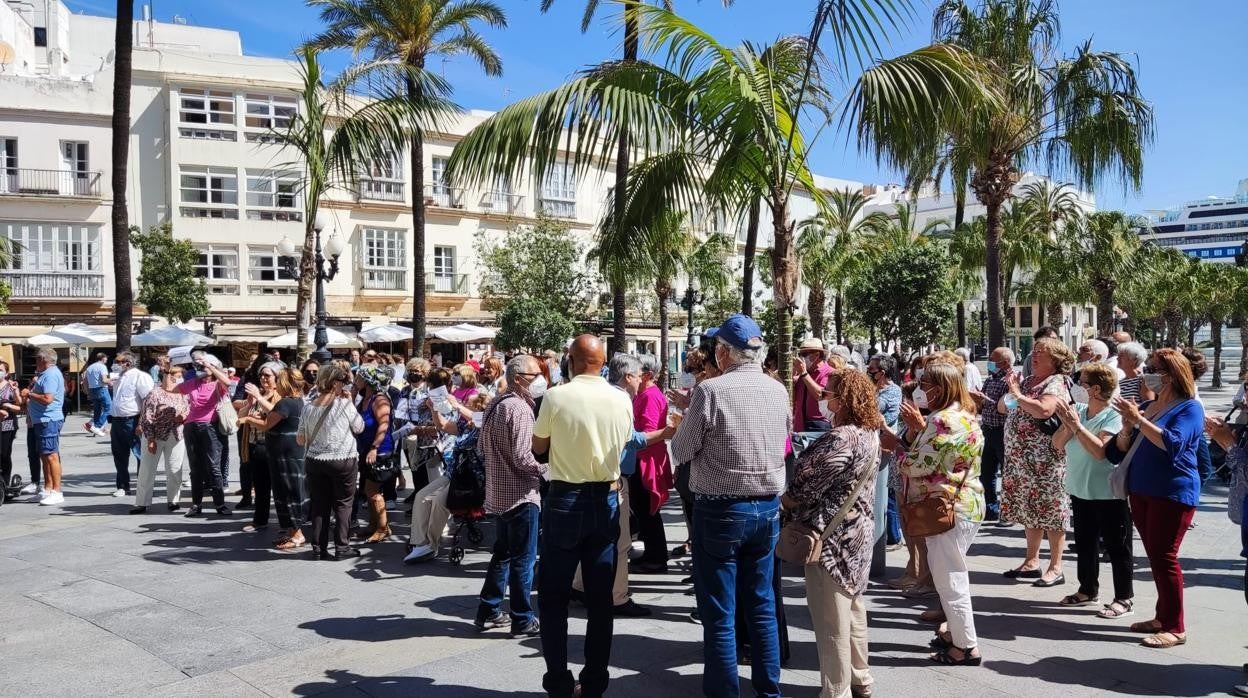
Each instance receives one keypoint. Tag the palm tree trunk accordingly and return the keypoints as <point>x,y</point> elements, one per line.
<point>663,335</point>
<point>961,315</point>
<point>747,271</point>
<point>816,305</point>
<point>619,306</point>
<point>992,269</point>
<point>123,46</point>
<point>784,282</point>
<point>959,215</point>
<point>1054,315</point>
<point>839,315</point>
<point>1105,308</point>
<point>307,278</point>
<point>1243,343</point>
<point>418,228</point>
<point>1215,331</point>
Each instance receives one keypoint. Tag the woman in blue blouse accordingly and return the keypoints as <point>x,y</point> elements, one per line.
<point>1163,481</point>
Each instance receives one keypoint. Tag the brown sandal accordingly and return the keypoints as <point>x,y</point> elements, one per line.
<point>1148,627</point>
<point>379,535</point>
<point>292,543</point>
<point>1164,640</point>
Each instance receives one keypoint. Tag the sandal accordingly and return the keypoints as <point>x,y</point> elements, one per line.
<point>944,657</point>
<point>1117,609</point>
<point>292,543</point>
<point>940,642</point>
<point>1078,599</point>
<point>1164,640</point>
<point>1148,627</point>
<point>379,535</point>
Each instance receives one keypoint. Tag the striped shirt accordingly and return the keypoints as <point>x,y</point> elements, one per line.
<point>512,474</point>
<point>1129,388</point>
<point>734,434</point>
<point>994,388</point>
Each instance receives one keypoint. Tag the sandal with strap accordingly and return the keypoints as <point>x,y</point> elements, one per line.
<point>940,642</point>
<point>379,535</point>
<point>1078,599</point>
<point>292,543</point>
<point>1165,640</point>
<point>945,657</point>
<point>1148,627</point>
<point>1117,609</point>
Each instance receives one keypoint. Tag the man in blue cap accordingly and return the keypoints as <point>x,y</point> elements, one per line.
<point>734,435</point>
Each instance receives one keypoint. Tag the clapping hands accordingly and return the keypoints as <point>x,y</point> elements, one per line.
<point>913,418</point>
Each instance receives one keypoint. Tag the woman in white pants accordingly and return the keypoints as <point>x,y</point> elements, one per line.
<point>160,428</point>
<point>943,461</point>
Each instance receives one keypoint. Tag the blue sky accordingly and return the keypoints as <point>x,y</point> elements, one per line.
<point>1190,57</point>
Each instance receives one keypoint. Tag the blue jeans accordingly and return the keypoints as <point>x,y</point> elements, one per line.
<point>734,542</point>
<point>580,525</point>
<point>894,520</point>
<point>123,444</point>
<point>511,566</point>
<point>101,405</point>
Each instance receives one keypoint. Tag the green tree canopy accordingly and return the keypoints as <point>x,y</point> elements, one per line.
<point>168,286</point>
<point>904,294</point>
<point>528,323</point>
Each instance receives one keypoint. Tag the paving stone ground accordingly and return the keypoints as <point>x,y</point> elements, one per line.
<point>96,602</point>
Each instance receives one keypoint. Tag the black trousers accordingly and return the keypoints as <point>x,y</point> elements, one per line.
<point>331,488</point>
<point>6,457</point>
<point>686,494</point>
<point>257,464</point>
<point>224,440</point>
<point>245,482</point>
<point>1106,521</point>
<point>990,468</point>
<point>203,448</point>
<point>649,526</point>
<point>32,458</point>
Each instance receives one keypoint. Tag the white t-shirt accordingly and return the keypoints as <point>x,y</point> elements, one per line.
<point>973,378</point>
<point>129,391</point>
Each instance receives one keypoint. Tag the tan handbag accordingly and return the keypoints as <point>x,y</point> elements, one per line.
<point>800,544</point>
<point>930,516</point>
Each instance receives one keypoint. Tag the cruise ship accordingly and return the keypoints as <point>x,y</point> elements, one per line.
<point>1212,229</point>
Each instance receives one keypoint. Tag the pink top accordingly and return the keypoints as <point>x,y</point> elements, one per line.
<point>653,465</point>
<point>806,402</point>
<point>202,397</point>
<point>462,394</point>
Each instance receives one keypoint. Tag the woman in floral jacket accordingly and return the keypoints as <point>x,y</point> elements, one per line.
<point>943,461</point>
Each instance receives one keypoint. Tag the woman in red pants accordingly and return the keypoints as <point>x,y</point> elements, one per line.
<point>1158,445</point>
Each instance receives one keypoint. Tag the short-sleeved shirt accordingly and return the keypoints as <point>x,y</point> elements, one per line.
<point>132,388</point>
<point>888,401</point>
<point>202,396</point>
<point>291,408</point>
<point>805,401</point>
<point>50,382</point>
<point>95,375</point>
<point>588,423</point>
<point>1088,477</point>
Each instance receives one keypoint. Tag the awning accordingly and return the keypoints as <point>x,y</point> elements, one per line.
<point>463,333</point>
<point>385,333</point>
<point>227,333</point>
<point>170,336</point>
<point>338,339</point>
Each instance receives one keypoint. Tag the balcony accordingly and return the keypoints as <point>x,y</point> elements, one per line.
<point>443,196</point>
<point>58,183</point>
<point>502,202</point>
<point>381,189</point>
<point>383,279</point>
<point>53,285</point>
<point>436,282</point>
<point>557,208</point>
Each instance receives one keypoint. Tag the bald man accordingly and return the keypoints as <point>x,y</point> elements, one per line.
<point>585,425</point>
<point>1121,337</point>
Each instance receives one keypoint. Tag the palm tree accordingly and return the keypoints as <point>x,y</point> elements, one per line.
<point>335,134</point>
<point>1082,115</point>
<point>1105,247</point>
<point>410,32</point>
<point>848,228</point>
<point>901,230</point>
<point>123,48</point>
<point>1218,285</point>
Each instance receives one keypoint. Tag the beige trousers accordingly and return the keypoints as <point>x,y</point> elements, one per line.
<point>173,452</point>
<point>429,514</point>
<point>840,622</point>
<point>619,592</point>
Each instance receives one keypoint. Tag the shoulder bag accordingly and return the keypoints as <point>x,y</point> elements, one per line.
<point>799,544</point>
<point>931,516</point>
<point>227,416</point>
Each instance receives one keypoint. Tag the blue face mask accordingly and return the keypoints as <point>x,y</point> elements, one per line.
<point>992,368</point>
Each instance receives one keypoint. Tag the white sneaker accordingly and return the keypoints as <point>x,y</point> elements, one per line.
<point>52,499</point>
<point>39,495</point>
<point>98,431</point>
<point>31,488</point>
<point>418,554</point>
<point>119,493</point>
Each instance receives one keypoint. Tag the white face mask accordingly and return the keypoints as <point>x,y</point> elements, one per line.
<point>1153,382</point>
<point>457,380</point>
<point>920,398</point>
<point>538,387</point>
<point>687,381</point>
<point>825,410</point>
<point>478,418</point>
<point>1078,393</point>
<point>918,374</point>
<point>4,375</point>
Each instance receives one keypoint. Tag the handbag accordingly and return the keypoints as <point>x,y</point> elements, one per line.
<point>930,516</point>
<point>227,416</point>
<point>1053,423</point>
<point>799,544</point>
<point>1118,476</point>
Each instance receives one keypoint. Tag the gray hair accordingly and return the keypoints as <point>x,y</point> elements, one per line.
<point>1006,352</point>
<point>963,353</point>
<point>744,356</point>
<point>520,363</point>
<point>1135,350</point>
<point>1098,349</point>
<point>48,354</point>
<point>206,358</point>
<point>649,363</point>
<point>623,365</point>
<point>126,356</point>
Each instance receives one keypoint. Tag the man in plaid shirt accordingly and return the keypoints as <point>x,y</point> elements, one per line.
<point>512,481</point>
<point>734,435</point>
<point>1000,365</point>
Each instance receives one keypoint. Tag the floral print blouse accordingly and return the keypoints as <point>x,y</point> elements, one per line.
<point>826,474</point>
<point>163,414</point>
<point>945,455</point>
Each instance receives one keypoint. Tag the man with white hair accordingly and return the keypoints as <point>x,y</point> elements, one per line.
<point>734,436</point>
<point>970,375</point>
<point>131,389</point>
<point>1092,351</point>
<point>44,408</point>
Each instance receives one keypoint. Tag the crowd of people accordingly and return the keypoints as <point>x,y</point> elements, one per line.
<point>576,454</point>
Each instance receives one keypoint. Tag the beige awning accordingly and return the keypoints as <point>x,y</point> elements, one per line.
<point>226,332</point>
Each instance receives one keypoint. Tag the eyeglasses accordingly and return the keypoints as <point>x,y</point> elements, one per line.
<point>1154,369</point>
<point>529,375</point>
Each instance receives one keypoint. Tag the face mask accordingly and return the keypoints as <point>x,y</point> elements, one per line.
<point>825,410</point>
<point>920,398</point>
<point>992,368</point>
<point>687,381</point>
<point>538,387</point>
<point>457,380</point>
<point>1078,393</point>
<point>478,418</point>
<point>4,375</point>
<point>1011,402</point>
<point>1153,382</point>
<point>918,374</point>
<point>415,377</point>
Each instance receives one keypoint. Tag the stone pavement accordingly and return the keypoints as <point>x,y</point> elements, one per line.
<point>97,602</point>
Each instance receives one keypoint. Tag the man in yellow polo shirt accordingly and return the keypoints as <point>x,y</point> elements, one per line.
<point>585,425</point>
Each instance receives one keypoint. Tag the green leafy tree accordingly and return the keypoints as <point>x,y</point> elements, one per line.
<point>528,323</point>
<point>904,295</point>
<point>407,33</point>
<point>1081,114</point>
<point>168,286</point>
<point>829,245</point>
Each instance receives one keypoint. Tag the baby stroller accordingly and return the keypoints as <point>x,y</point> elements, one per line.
<point>465,496</point>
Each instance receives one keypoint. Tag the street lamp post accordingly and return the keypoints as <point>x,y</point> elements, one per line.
<point>693,297</point>
<point>333,248</point>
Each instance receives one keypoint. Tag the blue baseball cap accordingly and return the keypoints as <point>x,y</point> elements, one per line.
<point>740,331</point>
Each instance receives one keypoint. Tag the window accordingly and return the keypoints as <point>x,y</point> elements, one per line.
<point>1025,316</point>
<point>444,269</point>
<point>41,37</point>
<point>217,262</point>
<point>214,107</point>
<point>383,260</point>
<point>269,111</point>
<point>272,190</point>
<point>263,265</point>
<point>559,191</point>
<point>209,185</point>
<point>383,179</point>
<point>8,165</point>
<point>438,172</point>
<point>53,247</point>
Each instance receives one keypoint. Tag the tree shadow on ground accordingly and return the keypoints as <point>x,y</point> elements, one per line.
<point>1179,680</point>
<point>342,682</point>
